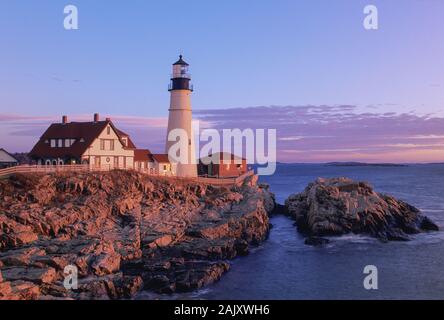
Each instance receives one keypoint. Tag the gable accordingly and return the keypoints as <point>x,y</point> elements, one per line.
<point>108,142</point>
<point>6,157</point>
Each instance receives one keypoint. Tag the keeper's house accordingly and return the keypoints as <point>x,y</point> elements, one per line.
<point>6,159</point>
<point>98,143</point>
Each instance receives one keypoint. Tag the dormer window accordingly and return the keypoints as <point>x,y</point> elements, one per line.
<point>82,140</point>
<point>69,142</point>
<point>125,141</point>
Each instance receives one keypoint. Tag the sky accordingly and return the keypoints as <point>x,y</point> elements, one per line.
<point>334,91</point>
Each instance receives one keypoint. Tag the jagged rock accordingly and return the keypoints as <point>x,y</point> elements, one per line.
<point>161,284</point>
<point>14,233</point>
<point>340,205</point>
<point>427,224</point>
<point>124,231</point>
<point>127,287</point>
<point>96,289</point>
<point>35,275</point>
<point>20,290</point>
<point>106,264</point>
<point>5,290</point>
<point>158,241</point>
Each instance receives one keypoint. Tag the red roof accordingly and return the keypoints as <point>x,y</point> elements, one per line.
<point>122,134</point>
<point>142,155</point>
<point>161,158</point>
<point>84,134</point>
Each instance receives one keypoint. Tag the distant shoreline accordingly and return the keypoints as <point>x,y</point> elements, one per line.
<point>355,164</point>
<point>363,164</point>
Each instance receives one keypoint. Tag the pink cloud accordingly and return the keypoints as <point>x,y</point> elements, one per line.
<point>305,133</point>
<point>340,133</point>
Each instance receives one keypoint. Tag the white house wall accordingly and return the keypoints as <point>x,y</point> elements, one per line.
<point>107,156</point>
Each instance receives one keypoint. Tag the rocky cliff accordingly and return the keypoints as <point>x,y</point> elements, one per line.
<point>340,205</point>
<point>124,232</point>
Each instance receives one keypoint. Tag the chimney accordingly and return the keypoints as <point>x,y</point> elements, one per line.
<point>64,119</point>
<point>96,117</point>
<point>108,119</point>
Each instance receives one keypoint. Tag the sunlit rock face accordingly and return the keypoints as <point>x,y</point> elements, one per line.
<point>338,206</point>
<point>124,232</point>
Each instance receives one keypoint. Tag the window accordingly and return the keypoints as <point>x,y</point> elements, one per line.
<point>106,144</point>
<point>125,142</point>
<point>108,130</point>
<point>165,168</point>
<point>67,143</point>
<point>60,144</point>
<point>53,143</point>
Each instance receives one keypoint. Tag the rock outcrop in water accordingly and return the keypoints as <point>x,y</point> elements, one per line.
<point>124,232</point>
<point>338,206</point>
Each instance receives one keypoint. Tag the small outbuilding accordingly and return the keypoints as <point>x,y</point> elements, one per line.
<point>222,165</point>
<point>7,160</point>
<point>163,165</point>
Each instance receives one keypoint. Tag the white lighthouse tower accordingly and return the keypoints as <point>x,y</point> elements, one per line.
<point>180,116</point>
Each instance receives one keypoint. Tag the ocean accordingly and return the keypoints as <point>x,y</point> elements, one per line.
<point>283,267</point>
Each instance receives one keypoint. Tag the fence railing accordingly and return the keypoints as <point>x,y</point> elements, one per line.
<point>43,169</point>
<point>226,181</point>
<point>87,167</point>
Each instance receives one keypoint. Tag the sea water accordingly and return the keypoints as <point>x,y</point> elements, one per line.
<point>283,267</point>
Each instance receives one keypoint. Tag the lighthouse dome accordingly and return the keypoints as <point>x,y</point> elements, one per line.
<point>180,62</point>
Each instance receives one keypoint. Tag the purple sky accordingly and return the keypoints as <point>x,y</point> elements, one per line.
<point>375,95</point>
<point>304,133</point>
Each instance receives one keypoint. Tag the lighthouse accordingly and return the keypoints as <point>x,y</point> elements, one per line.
<point>180,117</point>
